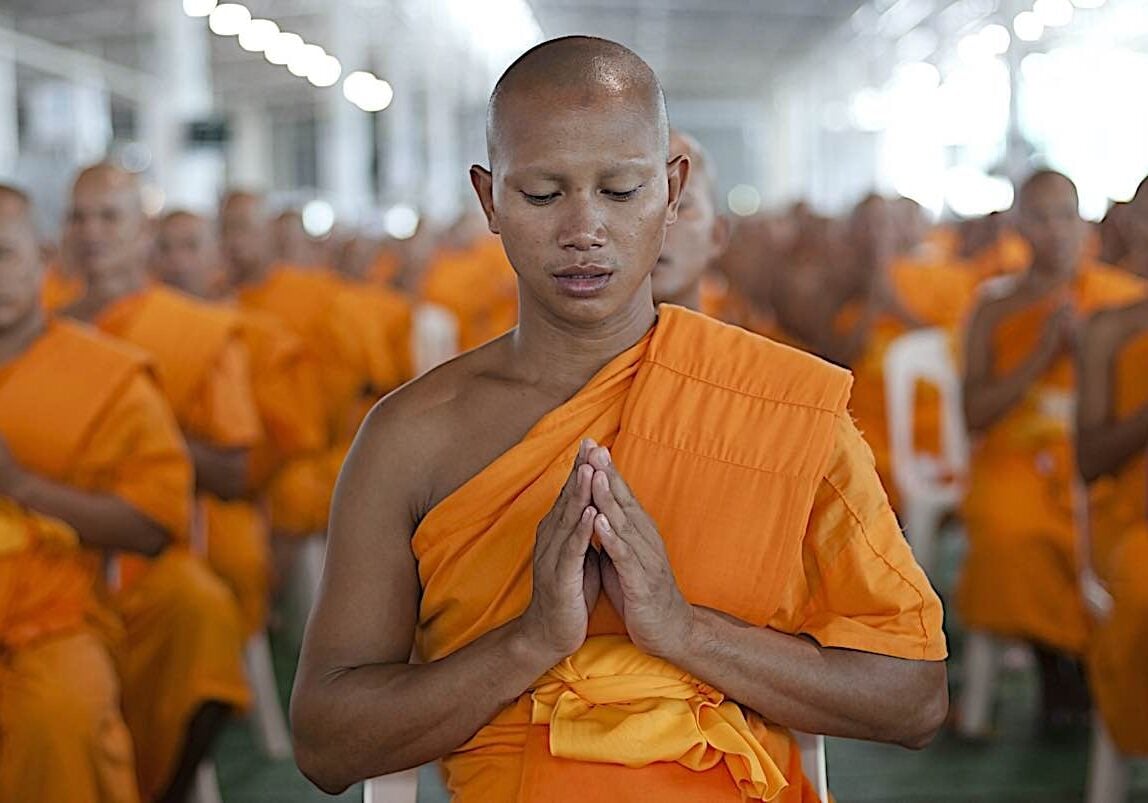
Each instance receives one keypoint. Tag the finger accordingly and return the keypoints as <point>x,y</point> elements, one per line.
<point>607,503</point>
<point>620,552</point>
<point>578,499</point>
<point>577,543</point>
<point>601,460</point>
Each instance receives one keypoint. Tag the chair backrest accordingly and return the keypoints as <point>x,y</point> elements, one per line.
<point>435,337</point>
<point>924,356</point>
<point>403,787</point>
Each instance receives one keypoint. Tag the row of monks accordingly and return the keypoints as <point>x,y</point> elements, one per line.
<point>177,397</point>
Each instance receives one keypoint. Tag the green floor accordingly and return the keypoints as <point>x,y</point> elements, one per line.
<point>1016,768</point>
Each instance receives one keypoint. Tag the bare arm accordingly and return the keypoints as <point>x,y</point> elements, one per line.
<point>1105,442</point>
<point>100,520</point>
<point>359,709</point>
<point>794,682</point>
<point>223,472</point>
<point>988,397</point>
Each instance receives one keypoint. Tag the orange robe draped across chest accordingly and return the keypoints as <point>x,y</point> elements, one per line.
<point>204,369</point>
<point>1118,647</point>
<point>81,409</point>
<point>1020,578</point>
<point>744,455</point>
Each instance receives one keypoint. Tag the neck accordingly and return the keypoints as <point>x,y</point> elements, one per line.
<point>562,356</point>
<point>16,340</point>
<point>255,273</point>
<point>108,290</point>
<point>690,297</point>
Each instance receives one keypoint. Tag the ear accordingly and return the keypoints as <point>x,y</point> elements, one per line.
<point>677,174</point>
<point>483,183</point>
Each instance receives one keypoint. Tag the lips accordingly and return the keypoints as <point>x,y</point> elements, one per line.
<point>583,281</point>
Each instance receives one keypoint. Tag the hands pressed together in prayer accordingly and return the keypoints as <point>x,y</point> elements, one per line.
<point>630,565</point>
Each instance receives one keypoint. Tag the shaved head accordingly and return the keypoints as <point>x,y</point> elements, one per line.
<point>106,234</point>
<point>245,233</point>
<point>21,270</point>
<point>1048,217</point>
<point>187,255</point>
<point>1043,182</point>
<point>576,71</point>
<point>701,165</point>
<point>15,205</point>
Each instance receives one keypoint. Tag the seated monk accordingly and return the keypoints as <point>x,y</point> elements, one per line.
<point>360,336</point>
<point>1020,576</point>
<point>88,440</point>
<point>285,389</point>
<point>1112,453</point>
<point>292,244</point>
<point>633,545</point>
<point>194,662</point>
<point>695,240</point>
<point>74,486</point>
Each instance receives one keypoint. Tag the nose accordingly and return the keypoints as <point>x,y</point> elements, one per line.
<point>583,227</point>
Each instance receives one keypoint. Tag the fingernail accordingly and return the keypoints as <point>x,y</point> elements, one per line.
<point>588,514</point>
<point>604,524</point>
<point>607,452</point>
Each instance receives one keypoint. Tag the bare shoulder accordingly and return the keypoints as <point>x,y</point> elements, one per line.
<point>420,426</point>
<point>1106,329</point>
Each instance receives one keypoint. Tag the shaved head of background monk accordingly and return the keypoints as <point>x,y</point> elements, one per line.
<point>1048,217</point>
<point>106,235</point>
<point>187,255</point>
<point>21,270</point>
<point>245,233</point>
<point>580,185</point>
<point>697,237</point>
<point>292,243</point>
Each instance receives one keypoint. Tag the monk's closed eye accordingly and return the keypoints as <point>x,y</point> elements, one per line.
<point>623,195</point>
<point>540,200</point>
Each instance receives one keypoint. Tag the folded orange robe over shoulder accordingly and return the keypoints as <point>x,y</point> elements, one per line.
<point>743,453</point>
<point>1020,578</point>
<point>84,410</point>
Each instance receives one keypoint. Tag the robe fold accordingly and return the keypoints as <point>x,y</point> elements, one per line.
<point>742,452</point>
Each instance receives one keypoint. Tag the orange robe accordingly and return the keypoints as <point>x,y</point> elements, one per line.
<point>710,443</point>
<point>360,335</point>
<point>1118,648</point>
<point>204,370</point>
<point>82,410</point>
<point>59,289</point>
<point>938,295</point>
<point>1020,577</point>
<point>479,286</point>
<point>47,707</point>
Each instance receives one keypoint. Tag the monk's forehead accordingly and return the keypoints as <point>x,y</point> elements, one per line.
<point>184,223</point>
<point>242,203</point>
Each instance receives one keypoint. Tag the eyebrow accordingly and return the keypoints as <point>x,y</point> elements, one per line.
<point>617,169</point>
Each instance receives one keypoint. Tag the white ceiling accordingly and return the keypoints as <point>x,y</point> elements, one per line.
<point>725,49</point>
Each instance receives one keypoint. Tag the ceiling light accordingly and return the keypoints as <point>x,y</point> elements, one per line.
<point>230,19</point>
<point>1028,26</point>
<point>304,58</point>
<point>1053,13</point>
<point>280,49</point>
<point>258,35</point>
<point>198,8</point>
<point>325,72</point>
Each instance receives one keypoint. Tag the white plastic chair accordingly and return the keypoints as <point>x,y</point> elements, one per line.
<point>435,337</point>
<point>930,487</point>
<point>402,787</point>
<point>267,718</point>
<point>1109,770</point>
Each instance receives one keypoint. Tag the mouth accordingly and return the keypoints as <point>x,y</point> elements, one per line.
<point>583,281</point>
